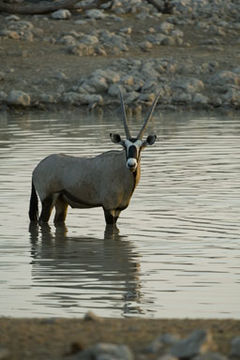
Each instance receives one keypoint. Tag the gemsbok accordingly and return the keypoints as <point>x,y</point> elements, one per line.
<point>107,180</point>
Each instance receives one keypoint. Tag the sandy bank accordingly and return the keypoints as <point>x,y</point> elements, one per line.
<point>56,338</point>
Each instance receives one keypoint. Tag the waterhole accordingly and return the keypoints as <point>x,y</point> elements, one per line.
<point>176,252</point>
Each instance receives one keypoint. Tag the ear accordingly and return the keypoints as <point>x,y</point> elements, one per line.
<point>150,140</point>
<point>116,138</point>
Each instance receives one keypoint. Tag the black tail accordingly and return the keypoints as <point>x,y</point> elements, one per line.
<point>33,207</point>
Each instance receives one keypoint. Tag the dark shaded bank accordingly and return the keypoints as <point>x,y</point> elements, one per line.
<point>61,338</point>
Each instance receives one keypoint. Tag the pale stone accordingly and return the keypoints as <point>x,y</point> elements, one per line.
<point>198,342</point>
<point>17,97</point>
<point>62,14</point>
<point>95,14</point>
<point>200,99</point>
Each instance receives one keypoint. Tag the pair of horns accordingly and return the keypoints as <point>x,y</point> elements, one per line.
<point>148,118</point>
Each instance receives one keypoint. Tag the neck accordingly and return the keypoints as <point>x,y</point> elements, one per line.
<point>137,174</point>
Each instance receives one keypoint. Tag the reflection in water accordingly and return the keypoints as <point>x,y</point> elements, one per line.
<point>85,272</point>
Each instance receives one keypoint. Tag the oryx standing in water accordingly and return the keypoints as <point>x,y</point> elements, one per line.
<point>107,180</point>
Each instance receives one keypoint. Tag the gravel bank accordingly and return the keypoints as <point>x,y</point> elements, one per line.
<point>191,57</point>
<point>139,339</point>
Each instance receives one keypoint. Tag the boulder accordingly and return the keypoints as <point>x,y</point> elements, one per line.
<point>198,342</point>
<point>16,97</point>
<point>62,14</point>
<point>225,77</point>
<point>95,14</point>
<point>105,351</point>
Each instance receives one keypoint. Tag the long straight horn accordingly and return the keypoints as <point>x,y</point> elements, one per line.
<point>127,131</point>
<point>148,118</point>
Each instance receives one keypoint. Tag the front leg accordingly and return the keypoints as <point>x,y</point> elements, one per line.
<point>111,216</point>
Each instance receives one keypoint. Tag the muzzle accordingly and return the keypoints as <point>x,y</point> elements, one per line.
<point>131,164</point>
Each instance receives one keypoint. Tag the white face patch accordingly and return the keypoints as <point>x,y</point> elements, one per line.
<point>138,143</point>
<point>132,152</point>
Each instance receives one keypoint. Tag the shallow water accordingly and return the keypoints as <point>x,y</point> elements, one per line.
<point>177,252</point>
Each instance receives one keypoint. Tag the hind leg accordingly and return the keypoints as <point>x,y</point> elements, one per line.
<point>61,210</point>
<point>111,216</point>
<point>47,206</point>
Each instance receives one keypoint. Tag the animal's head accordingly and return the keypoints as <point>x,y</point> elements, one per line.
<point>134,145</point>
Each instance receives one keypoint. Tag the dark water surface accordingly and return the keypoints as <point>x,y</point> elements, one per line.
<point>177,252</point>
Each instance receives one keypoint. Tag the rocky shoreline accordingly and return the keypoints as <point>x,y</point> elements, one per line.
<point>126,339</point>
<point>190,57</point>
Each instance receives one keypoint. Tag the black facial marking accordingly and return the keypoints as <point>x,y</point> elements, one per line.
<point>132,152</point>
<point>133,140</point>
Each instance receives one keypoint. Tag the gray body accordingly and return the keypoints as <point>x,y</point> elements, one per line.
<point>107,180</point>
<point>85,182</point>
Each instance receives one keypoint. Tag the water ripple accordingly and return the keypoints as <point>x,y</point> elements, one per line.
<point>177,253</point>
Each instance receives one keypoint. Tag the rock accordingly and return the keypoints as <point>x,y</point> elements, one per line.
<point>181,97</point>
<point>95,14</point>
<point>200,99</point>
<point>82,99</point>
<point>28,36</point>
<point>148,71</point>
<point>156,39</point>
<point>21,25</point>
<point>147,98</point>
<point>211,356</point>
<point>4,353</point>
<point>59,75</point>
<point>91,316</point>
<point>190,85</point>
<point>162,343</point>
<point>10,34</point>
<point>98,83</point>
<point>235,347</point>
<point>197,343</point>
<point>81,50</point>
<point>89,40</point>
<point>128,80</point>
<point>149,86</point>
<point>3,96</point>
<point>99,50</point>
<point>145,45</point>
<point>62,14</point>
<point>104,351</point>
<point>12,18</point>
<point>80,22</point>
<point>225,77</point>
<point>2,76</point>
<point>113,90</point>
<point>47,99</point>
<point>17,97</point>
<point>110,75</point>
<point>68,40</point>
<point>115,43</point>
<point>166,27</point>
<point>169,41</point>
<point>232,96</point>
<point>131,97</point>
<point>126,30</point>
